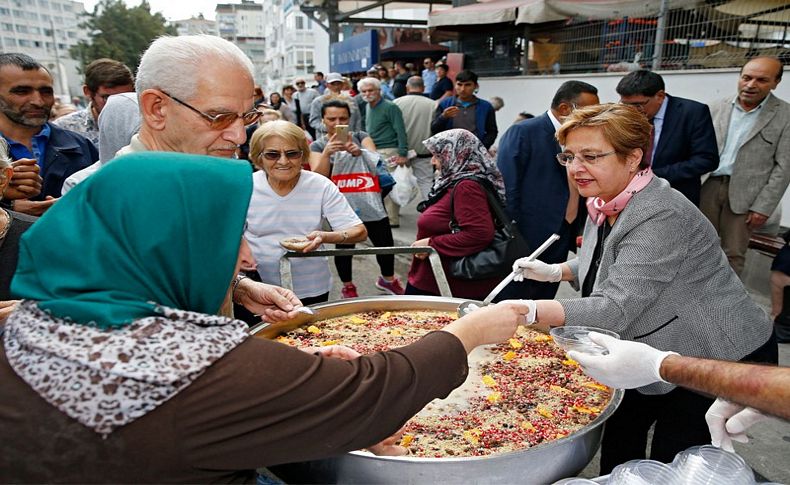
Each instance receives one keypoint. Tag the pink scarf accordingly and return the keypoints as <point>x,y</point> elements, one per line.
<point>599,210</point>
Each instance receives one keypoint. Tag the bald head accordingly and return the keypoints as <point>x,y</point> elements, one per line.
<point>758,78</point>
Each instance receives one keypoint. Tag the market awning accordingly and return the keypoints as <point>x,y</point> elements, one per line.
<point>540,11</point>
<point>494,12</point>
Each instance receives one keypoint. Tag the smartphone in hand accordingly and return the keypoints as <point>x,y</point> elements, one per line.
<point>341,133</point>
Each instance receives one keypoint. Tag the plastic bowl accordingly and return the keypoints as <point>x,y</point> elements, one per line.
<point>643,472</point>
<point>711,465</point>
<point>577,338</point>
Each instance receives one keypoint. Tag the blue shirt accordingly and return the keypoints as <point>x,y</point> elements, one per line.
<point>429,79</point>
<point>658,124</point>
<point>741,124</point>
<point>39,142</point>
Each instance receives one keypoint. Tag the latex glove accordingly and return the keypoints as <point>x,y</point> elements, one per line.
<point>529,317</point>
<point>537,270</point>
<point>627,365</point>
<point>728,422</point>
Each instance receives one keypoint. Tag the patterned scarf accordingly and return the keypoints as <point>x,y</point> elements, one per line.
<point>108,378</point>
<point>462,156</point>
<point>599,210</point>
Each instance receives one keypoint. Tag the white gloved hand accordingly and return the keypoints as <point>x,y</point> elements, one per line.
<point>537,270</point>
<point>728,422</point>
<point>627,365</point>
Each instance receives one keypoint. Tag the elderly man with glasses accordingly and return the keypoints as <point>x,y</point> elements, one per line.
<point>304,97</point>
<point>196,96</point>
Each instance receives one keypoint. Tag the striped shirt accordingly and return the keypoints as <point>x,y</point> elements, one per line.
<point>272,218</point>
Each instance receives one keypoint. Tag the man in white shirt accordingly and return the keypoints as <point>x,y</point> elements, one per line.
<point>428,74</point>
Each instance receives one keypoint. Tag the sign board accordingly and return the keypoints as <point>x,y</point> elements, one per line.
<point>357,53</point>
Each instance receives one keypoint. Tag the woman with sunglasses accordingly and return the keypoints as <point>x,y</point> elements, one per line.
<point>290,202</point>
<point>115,368</point>
<point>651,269</point>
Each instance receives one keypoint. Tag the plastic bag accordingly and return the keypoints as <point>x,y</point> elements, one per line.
<point>405,189</point>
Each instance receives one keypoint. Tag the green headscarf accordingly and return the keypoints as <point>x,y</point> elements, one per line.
<point>148,228</point>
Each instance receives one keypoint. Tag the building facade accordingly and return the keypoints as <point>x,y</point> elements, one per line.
<point>243,24</point>
<point>46,30</point>
<point>196,25</point>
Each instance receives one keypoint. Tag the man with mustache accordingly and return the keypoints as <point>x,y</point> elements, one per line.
<point>44,154</point>
<point>753,137</point>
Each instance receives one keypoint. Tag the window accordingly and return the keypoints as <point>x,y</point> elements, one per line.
<point>8,27</point>
<point>9,42</point>
<point>43,3</point>
<point>299,22</point>
<point>35,30</point>
<point>21,29</point>
<point>25,43</point>
<point>72,34</point>
<point>4,11</point>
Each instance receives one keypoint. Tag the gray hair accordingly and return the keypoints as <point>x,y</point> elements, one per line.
<point>174,64</point>
<point>415,82</point>
<point>369,81</point>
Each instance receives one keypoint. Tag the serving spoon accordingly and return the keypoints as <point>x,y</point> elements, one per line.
<point>470,305</point>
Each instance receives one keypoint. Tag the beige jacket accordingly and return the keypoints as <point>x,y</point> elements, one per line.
<point>762,166</point>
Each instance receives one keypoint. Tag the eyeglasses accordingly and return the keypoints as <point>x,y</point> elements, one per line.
<point>301,83</point>
<point>637,104</point>
<point>222,120</point>
<point>585,158</point>
<point>274,155</point>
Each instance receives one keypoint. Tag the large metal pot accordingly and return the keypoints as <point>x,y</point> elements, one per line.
<point>544,463</point>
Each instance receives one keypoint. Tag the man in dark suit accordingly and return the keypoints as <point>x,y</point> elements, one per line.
<point>538,196</point>
<point>684,142</point>
<point>37,146</point>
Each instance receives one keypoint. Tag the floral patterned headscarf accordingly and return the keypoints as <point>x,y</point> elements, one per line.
<point>462,156</point>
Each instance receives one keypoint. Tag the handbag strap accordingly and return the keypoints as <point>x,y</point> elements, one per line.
<point>501,220</point>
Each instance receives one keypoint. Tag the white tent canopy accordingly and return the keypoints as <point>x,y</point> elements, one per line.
<point>539,11</point>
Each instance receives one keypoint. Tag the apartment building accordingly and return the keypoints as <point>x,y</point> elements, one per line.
<point>45,30</point>
<point>196,25</point>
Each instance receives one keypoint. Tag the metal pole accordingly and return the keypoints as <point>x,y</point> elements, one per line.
<point>662,22</point>
<point>64,86</point>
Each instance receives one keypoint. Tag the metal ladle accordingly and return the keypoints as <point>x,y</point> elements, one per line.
<point>470,306</point>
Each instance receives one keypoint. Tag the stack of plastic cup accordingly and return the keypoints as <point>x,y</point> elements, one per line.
<point>643,472</point>
<point>709,465</point>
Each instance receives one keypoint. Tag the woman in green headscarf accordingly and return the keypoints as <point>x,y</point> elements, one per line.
<point>115,368</point>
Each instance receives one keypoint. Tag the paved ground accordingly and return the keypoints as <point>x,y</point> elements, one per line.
<point>768,451</point>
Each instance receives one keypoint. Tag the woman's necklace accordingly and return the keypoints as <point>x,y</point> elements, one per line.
<point>5,223</point>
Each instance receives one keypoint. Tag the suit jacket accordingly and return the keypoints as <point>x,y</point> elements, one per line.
<point>762,166</point>
<point>665,281</point>
<point>687,146</point>
<point>536,184</point>
<point>67,153</point>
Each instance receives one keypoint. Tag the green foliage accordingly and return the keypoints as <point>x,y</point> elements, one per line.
<point>120,32</point>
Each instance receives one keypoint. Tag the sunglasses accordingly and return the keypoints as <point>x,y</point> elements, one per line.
<point>274,155</point>
<point>222,120</point>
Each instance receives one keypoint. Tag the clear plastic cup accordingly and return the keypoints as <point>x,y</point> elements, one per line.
<point>578,338</point>
<point>643,472</point>
<point>702,465</point>
<point>576,481</point>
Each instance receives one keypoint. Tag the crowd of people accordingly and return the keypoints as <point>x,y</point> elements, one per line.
<point>126,251</point>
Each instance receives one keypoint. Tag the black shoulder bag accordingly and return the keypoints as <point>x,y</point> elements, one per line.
<point>497,259</point>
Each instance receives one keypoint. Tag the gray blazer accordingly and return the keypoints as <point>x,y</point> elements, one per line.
<point>665,281</point>
<point>762,166</point>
